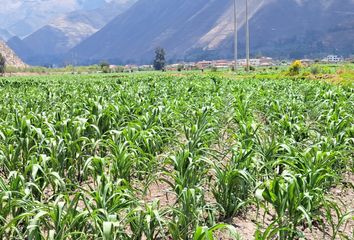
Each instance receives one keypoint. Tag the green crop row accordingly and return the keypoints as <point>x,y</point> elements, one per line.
<point>162,156</point>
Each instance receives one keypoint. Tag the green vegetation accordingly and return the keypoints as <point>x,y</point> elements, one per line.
<point>295,68</point>
<point>160,59</point>
<point>104,67</point>
<point>2,64</point>
<point>173,156</point>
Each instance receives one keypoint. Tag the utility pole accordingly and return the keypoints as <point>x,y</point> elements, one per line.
<point>73,61</point>
<point>247,39</point>
<point>235,35</point>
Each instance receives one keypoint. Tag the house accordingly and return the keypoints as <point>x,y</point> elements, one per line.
<point>130,68</point>
<point>266,61</point>
<point>173,67</point>
<point>253,62</point>
<point>190,66</point>
<point>112,67</point>
<point>332,59</point>
<point>307,62</point>
<point>204,64</point>
<point>146,67</point>
<point>222,64</point>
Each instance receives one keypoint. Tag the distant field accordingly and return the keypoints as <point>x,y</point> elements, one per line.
<point>175,155</point>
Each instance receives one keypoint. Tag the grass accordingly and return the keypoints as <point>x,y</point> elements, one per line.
<point>79,154</point>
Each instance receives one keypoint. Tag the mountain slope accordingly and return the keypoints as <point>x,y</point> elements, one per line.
<point>296,29</point>
<point>203,28</point>
<point>19,47</point>
<point>10,57</point>
<point>175,25</point>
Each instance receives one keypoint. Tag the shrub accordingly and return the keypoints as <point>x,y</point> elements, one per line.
<point>295,68</point>
<point>251,68</point>
<point>2,64</point>
<point>104,67</point>
<point>180,68</point>
<point>315,70</point>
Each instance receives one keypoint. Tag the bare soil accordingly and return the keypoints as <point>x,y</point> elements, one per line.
<point>253,219</point>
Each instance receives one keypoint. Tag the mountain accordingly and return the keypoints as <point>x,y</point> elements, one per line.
<point>173,24</point>
<point>53,40</point>
<point>204,28</point>
<point>10,57</point>
<point>23,17</point>
<point>301,28</point>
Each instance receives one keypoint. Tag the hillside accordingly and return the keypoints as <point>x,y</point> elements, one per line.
<point>289,29</point>
<point>203,29</point>
<point>123,32</point>
<point>133,36</point>
<point>10,56</point>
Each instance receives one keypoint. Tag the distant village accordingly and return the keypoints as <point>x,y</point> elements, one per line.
<point>229,64</point>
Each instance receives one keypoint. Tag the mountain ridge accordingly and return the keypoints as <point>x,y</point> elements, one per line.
<point>191,30</point>
<point>11,59</point>
<point>52,41</point>
<point>22,18</point>
<point>204,29</point>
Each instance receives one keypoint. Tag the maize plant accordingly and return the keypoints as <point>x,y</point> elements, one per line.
<point>80,156</point>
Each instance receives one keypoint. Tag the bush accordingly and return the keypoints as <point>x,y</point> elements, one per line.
<point>119,69</point>
<point>2,64</point>
<point>315,70</point>
<point>180,68</point>
<point>251,68</point>
<point>295,68</point>
<point>104,67</point>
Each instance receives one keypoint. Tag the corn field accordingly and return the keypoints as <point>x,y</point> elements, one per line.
<point>153,156</point>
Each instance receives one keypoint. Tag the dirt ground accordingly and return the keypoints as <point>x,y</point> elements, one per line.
<point>248,223</point>
<point>342,194</point>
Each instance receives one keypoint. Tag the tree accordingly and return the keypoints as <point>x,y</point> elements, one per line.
<point>104,67</point>
<point>2,64</point>
<point>160,60</point>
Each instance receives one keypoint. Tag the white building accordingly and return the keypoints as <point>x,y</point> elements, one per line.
<point>263,61</point>
<point>332,59</point>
